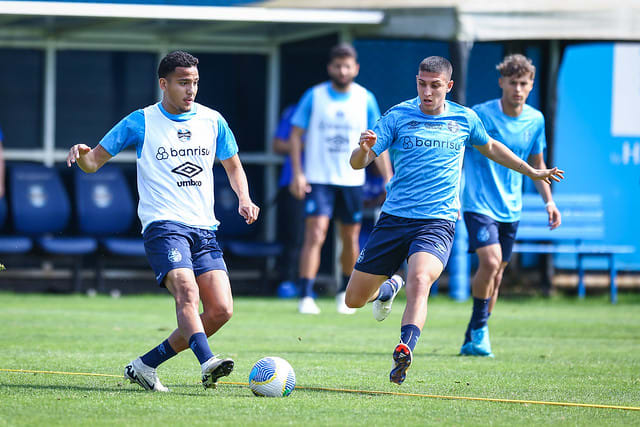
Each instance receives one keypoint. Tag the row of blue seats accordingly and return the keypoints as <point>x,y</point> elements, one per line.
<point>40,211</point>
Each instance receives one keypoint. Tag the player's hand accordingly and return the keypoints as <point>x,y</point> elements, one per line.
<point>299,186</point>
<point>547,175</point>
<point>555,219</point>
<point>248,210</point>
<point>367,139</point>
<point>76,152</point>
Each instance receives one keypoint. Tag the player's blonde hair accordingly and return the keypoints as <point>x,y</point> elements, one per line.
<point>516,65</point>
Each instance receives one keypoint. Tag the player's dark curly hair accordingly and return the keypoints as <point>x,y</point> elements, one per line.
<point>516,65</point>
<point>343,50</point>
<point>436,64</point>
<point>173,60</point>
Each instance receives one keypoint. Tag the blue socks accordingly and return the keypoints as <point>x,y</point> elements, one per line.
<point>479,316</point>
<point>306,287</point>
<point>200,347</point>
<point>387,289</point>
<point>158,355</point>
<point>409,335</point>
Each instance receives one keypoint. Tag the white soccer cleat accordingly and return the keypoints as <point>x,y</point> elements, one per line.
<point>143,375</point>
<point>381,309</point>
<point>213,369</point>
<point>307,305</point>
<point>341,306</point>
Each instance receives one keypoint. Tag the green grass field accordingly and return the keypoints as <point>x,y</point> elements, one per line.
<point>559,349</point>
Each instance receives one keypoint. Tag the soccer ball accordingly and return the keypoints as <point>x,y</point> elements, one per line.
<point>272,377</point>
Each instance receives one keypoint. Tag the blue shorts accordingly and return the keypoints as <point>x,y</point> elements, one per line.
<point>395,239</point>
<point>485,231</point>
<point>171,245</point>
<point>327,200</point>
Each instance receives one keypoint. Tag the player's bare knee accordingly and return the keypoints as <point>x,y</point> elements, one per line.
<point>354,301</point>
<point>212,320</point>
<point>490,265</point>
<point>420,283</point>
<point>316,236</point>
<point>186,295</point>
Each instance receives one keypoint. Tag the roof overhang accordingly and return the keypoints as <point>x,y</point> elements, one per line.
<point>496,19</point>
<point>142,24</point>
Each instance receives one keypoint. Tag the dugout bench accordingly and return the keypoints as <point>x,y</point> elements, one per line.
<point>582,233</point>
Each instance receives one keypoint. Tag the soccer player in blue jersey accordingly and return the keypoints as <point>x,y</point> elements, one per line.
<point>2,189</point>
<point>330,116</point>
<point>176,143</point>
<point>492,195</point>
<point>426,138</point>
<point>290,209</point>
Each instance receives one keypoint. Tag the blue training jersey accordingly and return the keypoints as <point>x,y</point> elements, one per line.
<point>283,131</point>
<point>426,153</point>
<point>490,188</point>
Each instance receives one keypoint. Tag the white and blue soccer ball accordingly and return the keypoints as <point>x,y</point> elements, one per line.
<point>272,377</point>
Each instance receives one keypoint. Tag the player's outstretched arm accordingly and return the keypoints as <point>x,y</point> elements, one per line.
<point>87,159</point>
<point>499,153</point>
<point>555,218</point>
<point>363,155</point>
<point>238,180</point>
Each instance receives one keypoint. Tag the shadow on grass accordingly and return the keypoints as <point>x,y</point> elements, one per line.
<point>179,390</point>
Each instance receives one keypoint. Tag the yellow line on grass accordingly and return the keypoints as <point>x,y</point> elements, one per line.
<point>389,393</point>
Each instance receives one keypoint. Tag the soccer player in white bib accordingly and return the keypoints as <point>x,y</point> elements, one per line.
<point>176,143</point>
<point>426,138</point>
<point>330,116</point>
<point>492,196</point>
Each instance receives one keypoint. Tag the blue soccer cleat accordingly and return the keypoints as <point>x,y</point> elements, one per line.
<point>402,357</point>
<point>479,344</point>
<point>467,349</point>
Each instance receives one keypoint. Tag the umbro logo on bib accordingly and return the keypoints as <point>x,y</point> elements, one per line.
<point>187,169</point>
<point>184,135</point>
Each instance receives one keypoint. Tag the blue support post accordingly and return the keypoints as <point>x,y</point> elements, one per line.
<point>612,278</point>
<point>459,269</point>
<point>581,288</point>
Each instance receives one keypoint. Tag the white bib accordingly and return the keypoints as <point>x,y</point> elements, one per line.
<point>333,133</point>
<point>175,168</point>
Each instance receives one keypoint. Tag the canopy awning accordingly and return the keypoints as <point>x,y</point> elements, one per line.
<point>24,21</point>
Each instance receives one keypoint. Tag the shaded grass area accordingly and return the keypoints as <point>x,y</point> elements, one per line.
<point>558,349</point>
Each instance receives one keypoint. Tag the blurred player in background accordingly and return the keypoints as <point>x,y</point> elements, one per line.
<point>290,209</point>
<point>2,189</point>
<point>176,142</point>
<point>426,138</point>
<point>492,196</point>
<point>330,116</point>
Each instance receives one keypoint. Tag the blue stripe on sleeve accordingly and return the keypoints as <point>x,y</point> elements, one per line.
<point>303,113</point>
<point>226,145</point>
<point>129,131</point>
<point>373,111</point>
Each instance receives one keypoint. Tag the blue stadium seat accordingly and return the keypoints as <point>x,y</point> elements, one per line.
<point>235,236</point>
<point>582,234</point>
<point>10,244</point>
<point>40,207</point>
<point>106,210</point>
